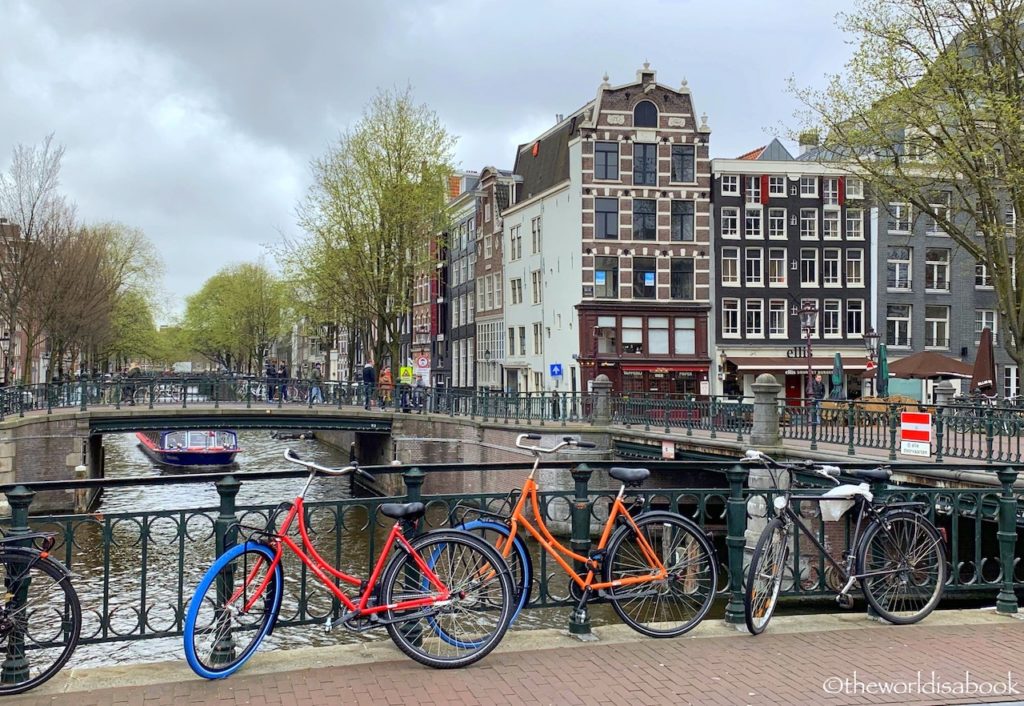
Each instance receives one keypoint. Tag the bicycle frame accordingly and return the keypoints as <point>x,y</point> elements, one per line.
<point>323,570</point>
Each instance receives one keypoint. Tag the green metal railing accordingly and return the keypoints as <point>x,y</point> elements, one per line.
<point>135,571</point>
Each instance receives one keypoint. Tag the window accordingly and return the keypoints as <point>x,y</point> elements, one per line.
<point>488,248</point>
<point>753,189</point>
<point>536,286</point>
<point>606,219</point>
<point>776,186</point>
<point>754,272</point>
<point>456,317</point>
<point>730,185</point>
<point>686,336</point>
<point>1011,381</point>
<point>854,317</point>
<point>936,269</point>
<point>657,335</point>
<point>936,327</point>
<point>808,186</point>
<point>606,161</point>
<point>854,188</point>
<point>899,218</point>
<point>854,224</point>
<point>809,267</point>
<point>606,277</point>
<point>777,267</point>
<point>487,212</point>
<point>777,223</point>
<point>809,223</point>
<point>754,320</point>
<point>538,339</point>
<point>830,187</point>
<point>535,236</point>
<point>752,223</point>
<point>982,278</point>
<point>730,267</point>
<point>830,225</point>
<point>511,340</point>
<point>683,164</point>
<point>484,295</point>
<point>515,243</point>
<point>682,221</point>
<point>731,318</point>
<point>777,318</point>
<point>517,291</point>
<point>1010,217</point>
<point>984,318</point>
<point>632,334</point>
<point>497,291</point>
<point>682,278</point>
<point>830,267</point>
<point>898,268</point>
<point>522,340</point>
<point>538,381</point>
<point>730,222</point>
<point>854,268</point>
<point>897,325</point>
<point>831,317</point>
<point>939,203</point>
<point>645,219</point>
<point>644,275</point>
<point>645,114</point>
<point>645,164</point>
<point>469,309</point>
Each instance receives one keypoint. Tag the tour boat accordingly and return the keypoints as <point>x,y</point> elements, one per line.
<point>190,447</point>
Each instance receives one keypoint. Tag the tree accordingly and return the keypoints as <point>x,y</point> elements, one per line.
<point>378,198</point>
<point>932,103</point>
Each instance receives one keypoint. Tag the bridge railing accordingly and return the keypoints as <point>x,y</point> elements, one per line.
<point>135,571</point>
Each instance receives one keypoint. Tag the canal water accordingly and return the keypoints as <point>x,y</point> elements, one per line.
<point>163,581</point>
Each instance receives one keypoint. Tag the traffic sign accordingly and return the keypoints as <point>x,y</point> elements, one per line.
<point>555,370</point>
<point>916,434</point>
<point>423,362</point>
<point>405,374</point>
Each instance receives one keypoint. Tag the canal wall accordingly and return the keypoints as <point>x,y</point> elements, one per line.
<point>48,448</point>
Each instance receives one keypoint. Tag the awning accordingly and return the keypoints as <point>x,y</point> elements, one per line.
<point>776,364</point>
<point>655,368</point>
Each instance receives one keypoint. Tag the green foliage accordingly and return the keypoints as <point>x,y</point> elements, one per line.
<point>133,332</point>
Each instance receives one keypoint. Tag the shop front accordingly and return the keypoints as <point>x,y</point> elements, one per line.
<point>740,370</point>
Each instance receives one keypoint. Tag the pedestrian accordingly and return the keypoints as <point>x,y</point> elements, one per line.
<point>386,387</point>
<point>282,375</point>
<point>369,382</point>
<point>817,394</point>
<point>132,374</point>
<point>315,379</point>
<point>270,373</point>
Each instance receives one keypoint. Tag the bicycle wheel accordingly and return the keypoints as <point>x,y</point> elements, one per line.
<point>902,567</point>
<point>40,620</point>
<point>764,577</point>
<point>669,607</point>
<point>220,634</point>
<point>465,628</point>
<point>519,563</point>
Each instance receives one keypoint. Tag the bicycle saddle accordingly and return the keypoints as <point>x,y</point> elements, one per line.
<point>403,511</point>
<point>629,475</point>
<point>869,474</point>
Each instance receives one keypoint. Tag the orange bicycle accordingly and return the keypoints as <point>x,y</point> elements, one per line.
<point>658,569</point>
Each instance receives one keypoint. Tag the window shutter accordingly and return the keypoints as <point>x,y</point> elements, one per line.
<point>764,188</point>
<point>842,190</point>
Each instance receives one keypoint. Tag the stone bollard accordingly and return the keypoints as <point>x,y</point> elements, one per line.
<point>602,401</point>
<point>765,430</point>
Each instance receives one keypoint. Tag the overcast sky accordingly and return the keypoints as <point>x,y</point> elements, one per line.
<point>195,121</point>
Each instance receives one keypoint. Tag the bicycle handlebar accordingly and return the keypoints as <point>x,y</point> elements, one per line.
<point>566,441</point>
<point>823,470</point>
<point>290,455</point>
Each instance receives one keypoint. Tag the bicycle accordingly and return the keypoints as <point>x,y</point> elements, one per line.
<point>40,618</point>
<point>445,596</point>
<point>896,553</point>
<point>658,569</point>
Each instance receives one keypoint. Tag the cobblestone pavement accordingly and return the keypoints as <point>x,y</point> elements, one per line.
<point>920,664</point>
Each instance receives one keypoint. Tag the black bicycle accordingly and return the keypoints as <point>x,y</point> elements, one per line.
<point>40,616</point>
<point>896,554</point>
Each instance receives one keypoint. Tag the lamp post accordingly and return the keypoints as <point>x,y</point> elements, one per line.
<point>4,342</point>
<point>871,346</point>
<point>487,366</point>
<point>808,314</point>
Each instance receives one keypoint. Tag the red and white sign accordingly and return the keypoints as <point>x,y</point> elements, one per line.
<point>423,362</point>
<point>916,434</point>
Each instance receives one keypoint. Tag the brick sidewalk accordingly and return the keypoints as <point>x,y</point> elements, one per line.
<point>774,668</point>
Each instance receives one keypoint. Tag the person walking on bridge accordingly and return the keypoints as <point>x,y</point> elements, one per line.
<point>369,382</point>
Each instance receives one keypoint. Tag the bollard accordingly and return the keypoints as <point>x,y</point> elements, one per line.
<point>16,663</point>
<point>736,520</point>
<point>893,418</point>
<point>850,415</point>
<point>988,433</point>
<point>1006,601</point>
<point>939,433</point>
<point>579,619</point>
<point>225,532</point>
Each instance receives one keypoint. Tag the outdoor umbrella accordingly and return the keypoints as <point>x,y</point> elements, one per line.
<point>983,378</point>
<point>929,365</point>
<point>837,378</point>
<point>882,373</point>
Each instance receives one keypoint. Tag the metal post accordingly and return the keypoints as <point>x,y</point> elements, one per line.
<point>1006,601</point>
<point>81,382</point>
<point>988,411</point>
<point>579,620</point>
<point>939,432</point>
<point>16,663</point>
<point>893,417</point>
<point>225,532</point>
<point>736,521</point>
<point>851,414</point>
<point>413,478</point>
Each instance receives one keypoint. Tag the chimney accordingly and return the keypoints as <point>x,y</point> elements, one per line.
<point>808,140</point>
<point>559,118</point>
<point>454,186</point>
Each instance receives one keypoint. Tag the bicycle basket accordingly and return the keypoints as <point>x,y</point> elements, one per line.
<point>832,510</point>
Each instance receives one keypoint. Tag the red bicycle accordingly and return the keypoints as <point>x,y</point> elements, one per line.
<point>445,596</point>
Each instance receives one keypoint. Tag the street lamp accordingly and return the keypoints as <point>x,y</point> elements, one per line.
<point>487,365</point>
<point>871,343</point>
<point>808,314</point>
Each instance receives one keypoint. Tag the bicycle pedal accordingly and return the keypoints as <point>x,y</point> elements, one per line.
<point>845,600</point>
<point>328,624</point>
